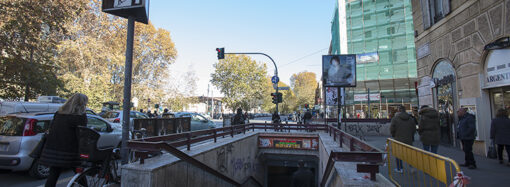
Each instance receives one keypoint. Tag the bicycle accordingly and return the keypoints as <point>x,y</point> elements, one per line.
<point>99,166</point>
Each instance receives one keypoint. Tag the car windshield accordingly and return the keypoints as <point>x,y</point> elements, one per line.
<point>110,114</point>
<point>11,126</point>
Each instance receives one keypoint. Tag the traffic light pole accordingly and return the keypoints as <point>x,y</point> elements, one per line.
<point>275,69</point>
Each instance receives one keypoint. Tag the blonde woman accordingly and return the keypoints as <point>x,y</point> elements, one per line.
<point>61,148</point>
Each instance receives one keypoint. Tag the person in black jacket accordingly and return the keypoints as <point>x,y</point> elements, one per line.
<point>500,134</point>
<point>466,132</point>
<point>61,148</point>
<point>239,117</point>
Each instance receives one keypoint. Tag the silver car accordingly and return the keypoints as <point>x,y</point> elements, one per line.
<point>20,133</point>
<point>198,122</point>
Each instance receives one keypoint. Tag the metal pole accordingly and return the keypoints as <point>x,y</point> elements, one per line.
<point>339,103</point>
<point>275,68</point>
<point>368,104</point>
<point>127,88</point>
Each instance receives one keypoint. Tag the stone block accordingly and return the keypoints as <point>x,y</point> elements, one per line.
<point>484,4</point>
<point>464,44</point>
<point>483,27</point>
<point>470,86</point>
<point>507,17</point>
<point>474,9</point>
<point>469,27</point>
<point>496,20</point>
<point>478,43</point>
<point>468,69</point>
<point>462,17</point>
<point>447,45</point>
<point>457,34</point>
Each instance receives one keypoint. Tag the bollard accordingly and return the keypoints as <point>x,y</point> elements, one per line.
<point>265,122</point>
<point>244,129</point>
<point>214,135</point>
<point>232,131</point>
<point>341,139</point>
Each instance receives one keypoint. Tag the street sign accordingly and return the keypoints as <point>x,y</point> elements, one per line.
<point>275,79</point>
<point>283,88</point>
<point>125,8</point>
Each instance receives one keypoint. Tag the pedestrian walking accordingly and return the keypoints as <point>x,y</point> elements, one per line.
<point>61,148</point>
<point>239,117</point>
<point>402,129</point>
<point>429,128</point>
<point>149,114</point>
<point>466,132</point>
<point>303,177</point>
<point>500,134</point>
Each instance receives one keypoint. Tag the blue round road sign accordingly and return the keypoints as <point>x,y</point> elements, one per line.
<point>275,79</point>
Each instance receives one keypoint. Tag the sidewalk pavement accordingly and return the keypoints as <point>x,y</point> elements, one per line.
<point>488,173</point>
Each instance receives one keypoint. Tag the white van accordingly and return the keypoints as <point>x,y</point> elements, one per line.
<point>11,107</point>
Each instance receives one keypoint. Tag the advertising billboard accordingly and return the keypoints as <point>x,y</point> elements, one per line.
<point>331,96</point>
<point>311,143</point>
<point>339,70</point>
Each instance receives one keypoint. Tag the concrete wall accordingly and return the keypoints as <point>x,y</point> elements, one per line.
<point>234,157</point>
<point>367,128</point>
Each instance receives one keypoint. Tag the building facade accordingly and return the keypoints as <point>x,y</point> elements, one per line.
<point>463,61</point>
<point>382,28</point>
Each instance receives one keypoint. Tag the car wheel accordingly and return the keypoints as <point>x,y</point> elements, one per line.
<point>39,171</point>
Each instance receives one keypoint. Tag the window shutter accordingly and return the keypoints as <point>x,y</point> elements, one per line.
<point>425,13</point>
<point>446,7</point>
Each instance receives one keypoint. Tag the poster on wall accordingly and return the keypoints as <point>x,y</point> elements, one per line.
<point>289,143</point>
<point>339,70</point>
<point>331,96</point>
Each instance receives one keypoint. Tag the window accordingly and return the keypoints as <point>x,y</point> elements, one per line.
<point>97,124</point>
<point>433,11</point>
<point>368,34</point>
<point>390,30</point>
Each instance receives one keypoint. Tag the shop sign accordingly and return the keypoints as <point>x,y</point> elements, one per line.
<point>311,143</point>
<point>497,69</point>
<point>364,97</point>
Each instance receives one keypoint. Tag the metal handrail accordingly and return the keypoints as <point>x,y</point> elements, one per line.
<point>368,153</point>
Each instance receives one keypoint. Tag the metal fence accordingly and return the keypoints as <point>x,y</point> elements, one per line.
<point>163,126</point>
<point>419,167</point>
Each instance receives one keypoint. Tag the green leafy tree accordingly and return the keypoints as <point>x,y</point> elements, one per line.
<point>241,80</point>
<point>304,84</point>
<point>29,34</point>
<point>92,57</point>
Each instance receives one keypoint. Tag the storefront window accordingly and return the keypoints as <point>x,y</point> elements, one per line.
<point>500,99</point>
<point>444,79</point>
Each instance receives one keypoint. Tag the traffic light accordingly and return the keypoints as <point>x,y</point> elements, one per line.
<point>274,98</point>
<point>306,106</point>
<point>277,97</point>
<point>221,53</point>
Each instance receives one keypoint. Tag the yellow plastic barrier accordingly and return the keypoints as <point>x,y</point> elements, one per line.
<point>421,168</point>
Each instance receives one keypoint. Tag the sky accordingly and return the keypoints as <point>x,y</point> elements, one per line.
<point>295,33</point>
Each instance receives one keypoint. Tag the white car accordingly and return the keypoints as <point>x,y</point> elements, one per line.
<point>198,122</point>
<point>115,117</point>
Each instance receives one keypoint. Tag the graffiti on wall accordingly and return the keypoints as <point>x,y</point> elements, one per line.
<point>222,157</point>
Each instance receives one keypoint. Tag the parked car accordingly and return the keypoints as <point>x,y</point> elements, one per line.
<point>198,122</point>
<point>13,107</point>
<point>116,116</point>
<point>21,132</point>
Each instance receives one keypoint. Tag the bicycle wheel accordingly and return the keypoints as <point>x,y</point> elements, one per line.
<point>91,177</point>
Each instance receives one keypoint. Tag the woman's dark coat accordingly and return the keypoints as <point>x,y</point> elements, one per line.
<point>403,128</point>
<point>428,126</point>
<point>61,148</point>
<point>500,130</point>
